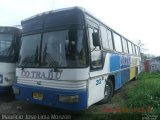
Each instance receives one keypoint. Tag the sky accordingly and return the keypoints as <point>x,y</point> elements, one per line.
<point>134,19</point>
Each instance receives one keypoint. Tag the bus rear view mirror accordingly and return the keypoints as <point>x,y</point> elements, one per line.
<point>96,40</point>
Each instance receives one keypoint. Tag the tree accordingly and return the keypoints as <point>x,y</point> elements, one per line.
<point>143,49</point>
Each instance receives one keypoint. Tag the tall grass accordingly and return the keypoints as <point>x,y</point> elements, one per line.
<point>146,94</point>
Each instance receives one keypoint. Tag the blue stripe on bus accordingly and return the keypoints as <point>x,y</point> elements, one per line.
<point>51,96</point>
<point>125,76</point>
<point>118,62</point>
<point>114,62</point>
<point>125,63</point>
<point>115,65</point>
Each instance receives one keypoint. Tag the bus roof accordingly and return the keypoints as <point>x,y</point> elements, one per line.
<point>63,18</point>
<point>83,10</point>
<point>9,29</point>
<point>53,11</point>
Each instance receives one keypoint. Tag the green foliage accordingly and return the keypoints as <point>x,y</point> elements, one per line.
<point>146,94</point>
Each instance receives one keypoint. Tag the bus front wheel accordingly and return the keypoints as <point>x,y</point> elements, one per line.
<point>108,92</point>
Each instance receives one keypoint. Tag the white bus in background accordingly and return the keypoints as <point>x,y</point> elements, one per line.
<point>9,48</point>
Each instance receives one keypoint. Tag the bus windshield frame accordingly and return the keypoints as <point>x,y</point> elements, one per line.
<point>11,50</point>
<point>6,44</point>
<point>64,48</point>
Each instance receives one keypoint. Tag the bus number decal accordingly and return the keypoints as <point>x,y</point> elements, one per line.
<point>98,82</point>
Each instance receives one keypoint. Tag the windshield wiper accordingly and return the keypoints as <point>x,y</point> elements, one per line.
<point>52,62</point>
<point>31,59</point>
<point>28,60</point>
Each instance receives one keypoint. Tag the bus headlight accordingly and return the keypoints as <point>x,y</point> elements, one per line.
<point>69,98</point>
<point>1,78</point>
<point>7,79</point>
<point>15,90</point>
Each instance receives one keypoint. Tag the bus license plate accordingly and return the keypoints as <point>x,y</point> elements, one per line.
<point>38,96</point>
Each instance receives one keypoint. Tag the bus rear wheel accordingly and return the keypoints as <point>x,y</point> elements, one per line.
<point>136,73</point>
<point>108,92</point>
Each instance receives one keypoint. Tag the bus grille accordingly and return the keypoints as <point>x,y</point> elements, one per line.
<point>59,84</point>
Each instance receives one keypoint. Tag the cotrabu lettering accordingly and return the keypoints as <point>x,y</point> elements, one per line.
<point>41,75</point>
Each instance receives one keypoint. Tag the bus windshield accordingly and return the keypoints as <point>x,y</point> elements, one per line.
<point>64,48</point>
<point>5,44</point>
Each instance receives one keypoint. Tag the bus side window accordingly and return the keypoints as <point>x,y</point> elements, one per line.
<point>133,49</point>
<point>124,43</point>
<point>136,50</point>
<point>104,36</point>
<point>117,42</point>
<point>139,52</point>
<point>110,41</point>
<point>130,47</point>
<point>96,56</point>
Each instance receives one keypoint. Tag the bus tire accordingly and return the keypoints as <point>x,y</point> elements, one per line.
<point>135,78</point>
<point>108,92</point>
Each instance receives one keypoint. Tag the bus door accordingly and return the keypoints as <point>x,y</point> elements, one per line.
<point>96,85</point>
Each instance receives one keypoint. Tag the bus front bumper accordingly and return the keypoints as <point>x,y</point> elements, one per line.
<point>5,89</point>
<point>59,98</point>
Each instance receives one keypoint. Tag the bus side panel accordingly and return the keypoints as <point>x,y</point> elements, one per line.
<point>96,90</point>
<point>133,67</point>
<point>96,85</point>
<point>125,66</point>
<point>7,72</point>
<point>115,67</point>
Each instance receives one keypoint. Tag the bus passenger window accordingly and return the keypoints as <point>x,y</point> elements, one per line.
<point>104,36</point>
<point>110,41</point>
<point>139,52</point>
<point>133,48</point>
<point>130,47</point>
<point>124,43</point>
<point>117,42</point>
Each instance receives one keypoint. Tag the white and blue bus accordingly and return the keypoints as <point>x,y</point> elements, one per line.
<point>69,59</point>
<point>9,48</point>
